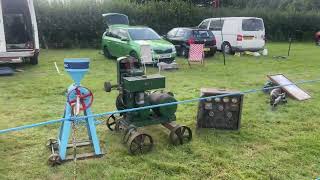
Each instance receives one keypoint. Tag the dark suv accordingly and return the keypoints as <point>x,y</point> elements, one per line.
<point>183,37</point>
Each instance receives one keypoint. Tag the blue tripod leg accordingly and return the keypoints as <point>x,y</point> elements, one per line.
<point>64,134</point>
<point>93,133</point>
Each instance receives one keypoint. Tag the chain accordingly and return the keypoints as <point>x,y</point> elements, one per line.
<point>75,113</point>
<point>74,150</point>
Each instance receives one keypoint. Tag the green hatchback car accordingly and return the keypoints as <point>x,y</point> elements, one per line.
<point>120,39</point>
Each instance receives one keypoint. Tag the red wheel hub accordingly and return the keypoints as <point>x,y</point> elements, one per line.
<point>85,99</point>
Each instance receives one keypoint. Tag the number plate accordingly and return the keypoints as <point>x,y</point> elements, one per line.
<point>162,56</point>
<point>206,49</point>
<point>248,37</point>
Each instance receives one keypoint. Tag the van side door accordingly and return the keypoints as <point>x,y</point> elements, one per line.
<point>216,26</point>
<point>230,30</point>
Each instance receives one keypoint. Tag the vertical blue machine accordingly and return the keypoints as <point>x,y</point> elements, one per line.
<point>79,99</point>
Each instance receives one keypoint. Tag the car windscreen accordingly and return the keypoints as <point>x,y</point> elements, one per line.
<point>202,34</point>
<point>252,25</point>
<point>143,34</point>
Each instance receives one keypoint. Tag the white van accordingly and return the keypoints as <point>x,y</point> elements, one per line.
<point>237,34</point>
<point>18,32</point>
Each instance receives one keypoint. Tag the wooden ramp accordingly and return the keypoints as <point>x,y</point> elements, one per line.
<point>292,90</point>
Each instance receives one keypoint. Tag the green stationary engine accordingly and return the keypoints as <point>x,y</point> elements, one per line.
<point>135,91</point>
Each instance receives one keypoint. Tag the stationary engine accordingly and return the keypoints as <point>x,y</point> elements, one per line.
<point>135,91</point>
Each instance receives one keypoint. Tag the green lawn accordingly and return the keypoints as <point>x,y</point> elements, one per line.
<point>284,144</point>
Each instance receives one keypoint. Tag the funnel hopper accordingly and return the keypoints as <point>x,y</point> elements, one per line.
<point>77,68</point>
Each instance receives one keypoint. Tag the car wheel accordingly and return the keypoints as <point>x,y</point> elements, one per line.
<point>184,52</point>
<point>34,59</point>
<point>226,48</point>
<point>134,54</point>
<point>106,52</point>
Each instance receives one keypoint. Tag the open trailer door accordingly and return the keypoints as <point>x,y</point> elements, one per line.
<point>34,26</point>
<point>19,39</point>
<point>2,35</point>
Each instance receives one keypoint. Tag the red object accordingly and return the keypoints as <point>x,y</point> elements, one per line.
<point>190,41</point>
<point>83,98</point>
<point>317,36</point>
<point>239,37</point>
<point>216,3</point>
<point>196,53</point>
<point>214,40</point>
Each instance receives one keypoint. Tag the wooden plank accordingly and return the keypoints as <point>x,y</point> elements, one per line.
<point>292,90</point>
<point>84,156</point>
<point>80,144</point>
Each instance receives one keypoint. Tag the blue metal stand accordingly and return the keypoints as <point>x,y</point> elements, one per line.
<point>78,99</point>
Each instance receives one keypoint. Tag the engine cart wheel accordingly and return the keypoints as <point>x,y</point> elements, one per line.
<point>52,142</point>
<point>128,133</point>
<point>180,135</point>
<point>184,52</point>
<point>140,143</point>
<point>112,122</point>
<point>54,159</point>
<point>119,127</point>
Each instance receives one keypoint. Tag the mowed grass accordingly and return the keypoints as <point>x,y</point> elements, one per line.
<point>282,144</point>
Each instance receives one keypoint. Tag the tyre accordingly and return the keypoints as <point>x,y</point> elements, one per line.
<point>106,52</point>
<point>226,48</point>
<point>34,59</point>
<point>184,52</point>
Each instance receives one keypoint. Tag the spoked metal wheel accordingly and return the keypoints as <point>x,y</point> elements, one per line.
<point>140,144</point>
<point>52,142</point>
<point>128,133</point>
<point>180,135</point>
<point>54,159</point>
<point>113,122</point>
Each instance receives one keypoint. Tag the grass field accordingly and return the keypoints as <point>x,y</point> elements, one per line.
<point>284,144</point>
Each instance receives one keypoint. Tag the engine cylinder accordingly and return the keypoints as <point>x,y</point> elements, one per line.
<point>162,98</point>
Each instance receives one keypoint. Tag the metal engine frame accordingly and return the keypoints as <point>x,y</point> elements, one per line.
<point>136,89</point>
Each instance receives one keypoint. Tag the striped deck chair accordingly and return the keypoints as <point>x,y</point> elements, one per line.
<point>196,54</point>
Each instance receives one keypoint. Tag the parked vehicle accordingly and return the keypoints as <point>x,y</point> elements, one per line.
<point>18,32</point>
<point>237,34</point>
<point>121,39</point>
<point>182,38</point>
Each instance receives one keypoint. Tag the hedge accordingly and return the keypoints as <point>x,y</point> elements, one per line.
<point>78,23</point>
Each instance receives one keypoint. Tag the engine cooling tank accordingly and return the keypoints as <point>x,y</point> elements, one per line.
<point>162,98</point>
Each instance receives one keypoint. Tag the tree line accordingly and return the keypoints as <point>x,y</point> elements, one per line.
<point>79,23</point>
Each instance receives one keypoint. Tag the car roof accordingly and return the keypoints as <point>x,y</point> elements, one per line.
<point>236,18</point>
<point>122,26</point>
<point>191,28</point>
